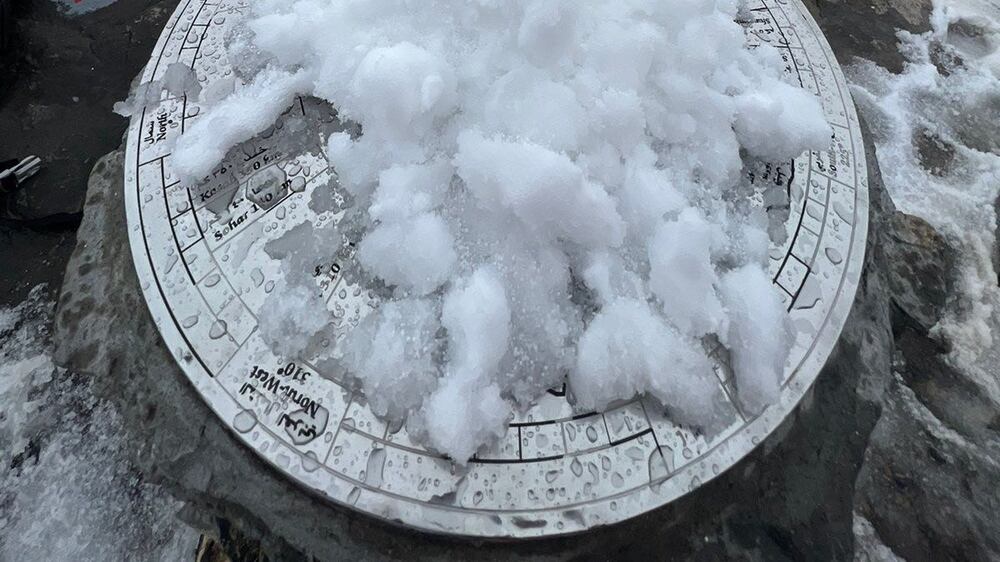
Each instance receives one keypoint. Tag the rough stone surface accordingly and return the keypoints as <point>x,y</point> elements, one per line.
<point>931,491</point>
<point>921,266</point>
<point>935,154</point>
<point>868,546</point>
<point>929,482</point>
<point>929,486</point>
<point>867,28</point>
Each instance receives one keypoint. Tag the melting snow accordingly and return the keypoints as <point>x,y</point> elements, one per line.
<point>549,188</point>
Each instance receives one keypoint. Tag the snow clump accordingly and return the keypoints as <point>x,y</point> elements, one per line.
<point>551,189</point>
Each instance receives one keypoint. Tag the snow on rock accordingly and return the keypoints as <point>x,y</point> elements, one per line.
<point>936,129</point>
<point>67,488</point>
<point>553,184</point>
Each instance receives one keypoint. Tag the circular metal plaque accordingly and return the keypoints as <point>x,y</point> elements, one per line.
<point>557,470</point>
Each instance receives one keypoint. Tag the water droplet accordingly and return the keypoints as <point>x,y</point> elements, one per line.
<point>218,329</point>
<point>617,481</point>
<point>810,294</point>
<point>257,276</point>
<point>212,280</point>
<point>244,421</point>
<point>634,453</point>
<point>190,321</point>
<point>551,475</point>
<point>352,498</point>
<point>577,467</point>
<point>660,466</point>
<point>592,434</point>
<point>834,256</point>
<point>310,462</point>
<point>542,440</point>
<point>842,212</point>
<point>375,468</point>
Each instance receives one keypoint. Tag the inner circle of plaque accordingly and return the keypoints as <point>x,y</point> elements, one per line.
<point>556,470</point>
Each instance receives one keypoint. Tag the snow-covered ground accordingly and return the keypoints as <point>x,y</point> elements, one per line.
<point>936,127</point>
<point>66,489</point>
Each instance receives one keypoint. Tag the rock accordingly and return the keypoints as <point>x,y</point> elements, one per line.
<point>928,485</point>
<point>945,58</point>
<point>957,400</point>
<point>928,488</point>
<point>935,154</point>
<point>868,546</point>
<point>930,492</point>
<point>921,271</point>
<point>229,546</point>
<point>867,29</point>
<point>82,326</point>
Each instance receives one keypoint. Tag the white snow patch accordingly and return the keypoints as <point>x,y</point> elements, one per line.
<point>958,108</point>
<point>552,185</point>
<point>67,491</point>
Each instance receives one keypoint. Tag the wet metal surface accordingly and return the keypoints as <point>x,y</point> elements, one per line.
<point>557,470</point>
